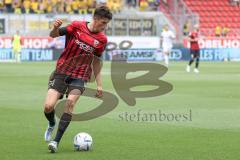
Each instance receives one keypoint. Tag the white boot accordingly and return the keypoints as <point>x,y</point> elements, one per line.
<point>53,146</point>
<point>48,133</point>
<point>18,57</point>
<point>166,60</point>
<point>196,70</point>
<point>188,68</point>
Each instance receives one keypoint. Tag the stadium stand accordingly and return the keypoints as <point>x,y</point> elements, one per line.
<point>56,6</point>
<point>215,13</point>
<point>73,6</point>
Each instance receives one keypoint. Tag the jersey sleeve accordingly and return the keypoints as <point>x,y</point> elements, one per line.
<point>100,49</point>
<point>62,31</point>
<point>71,27</point>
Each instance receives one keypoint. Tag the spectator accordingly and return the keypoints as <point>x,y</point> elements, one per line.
<point>60,6</point>
<point>218,31</point>
<point>131,3</point>
<point>114,5</point>
<point>8,5</point>
<point>153,5</point>
<point>143,4</point>
<point>1,6</point>
<point>26,6</point>
<point>17,6</point>
<point>91,5</point>
<point>34,6</point>
<point>75,4</point>
<point>235,2</point>
<point>68,7</point>
<point>225,31</point>
<point>54,6</point>
<point>82,6</point>
<point>41,7</point>
<point>49,6</point>
<point>186,28</point>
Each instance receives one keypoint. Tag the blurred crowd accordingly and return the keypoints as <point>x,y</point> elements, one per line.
<point>144,5</point>
<point>73,6</point>
<point>56,6</point>
<point>221,30</point>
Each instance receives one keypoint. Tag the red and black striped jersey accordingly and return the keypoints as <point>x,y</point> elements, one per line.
<point>81,47</point>
<point>194,44</point>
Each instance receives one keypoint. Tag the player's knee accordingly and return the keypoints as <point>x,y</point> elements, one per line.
<point>69,106</point>
<point>48,107</point>
<point>70,103</point>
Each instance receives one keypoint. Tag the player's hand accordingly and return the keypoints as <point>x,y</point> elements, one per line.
<point>57,23</point>
<point>99,93</point>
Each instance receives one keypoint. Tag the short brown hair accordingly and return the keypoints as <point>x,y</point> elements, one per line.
<point>103,12</point>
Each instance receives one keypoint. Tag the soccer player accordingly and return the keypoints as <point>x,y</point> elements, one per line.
<point>194,49</point>
<point>17,46</point>
<point>84,42</point>
<point>166,39</point>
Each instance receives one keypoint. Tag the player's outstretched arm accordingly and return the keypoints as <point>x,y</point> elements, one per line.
<point>55,30</point>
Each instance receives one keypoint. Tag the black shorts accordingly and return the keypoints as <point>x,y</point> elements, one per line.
<point>64,84</point>
<point>195,53</point>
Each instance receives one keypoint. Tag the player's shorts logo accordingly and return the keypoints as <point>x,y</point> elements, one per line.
<point>51,83</point>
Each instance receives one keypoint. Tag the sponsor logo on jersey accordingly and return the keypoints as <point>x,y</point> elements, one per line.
<point>85,46</point>
<point>96,42</point>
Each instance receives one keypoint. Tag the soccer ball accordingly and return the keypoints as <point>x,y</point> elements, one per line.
<point>82,142</point>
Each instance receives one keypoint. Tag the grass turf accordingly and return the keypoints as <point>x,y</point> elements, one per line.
<point>212,134</point>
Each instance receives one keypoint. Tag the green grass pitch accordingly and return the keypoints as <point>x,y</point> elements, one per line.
<point>212,133</point>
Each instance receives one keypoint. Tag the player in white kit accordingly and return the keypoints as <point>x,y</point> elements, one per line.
<point>166,41</point>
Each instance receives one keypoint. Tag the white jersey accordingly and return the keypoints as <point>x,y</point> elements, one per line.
<point>167,38</point>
